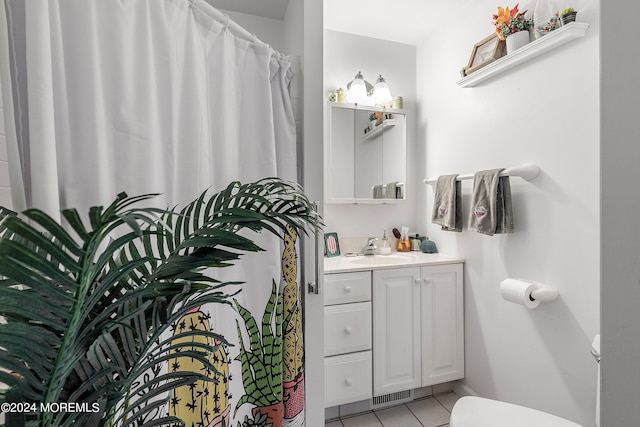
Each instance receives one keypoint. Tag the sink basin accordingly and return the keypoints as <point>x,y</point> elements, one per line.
<point>381,259</point>
<point>348,262</point>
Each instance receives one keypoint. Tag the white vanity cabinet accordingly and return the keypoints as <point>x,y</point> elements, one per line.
<point>418,327</point>
<point>347,340</point>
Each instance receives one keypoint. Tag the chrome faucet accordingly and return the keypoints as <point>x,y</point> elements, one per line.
<point>370,248</point>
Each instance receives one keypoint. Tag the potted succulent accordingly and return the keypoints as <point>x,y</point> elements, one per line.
<point>463,72</point>
<point>568,15</point>
<point>512,26</point>
<point>88,304</point>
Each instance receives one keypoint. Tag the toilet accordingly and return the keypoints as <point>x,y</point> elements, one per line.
<point>471,411</point>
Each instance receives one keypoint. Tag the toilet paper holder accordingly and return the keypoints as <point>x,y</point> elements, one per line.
<point>527,292</point>
<point>543,293</point>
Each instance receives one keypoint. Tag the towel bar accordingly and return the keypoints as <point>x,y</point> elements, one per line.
<point>398,184</point>
<point>527,172</point>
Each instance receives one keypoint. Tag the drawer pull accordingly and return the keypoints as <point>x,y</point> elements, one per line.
<point>348,330</point>
<point>427,281</point>
<point>348,382</point>
<point>347,289</point>
<point>417,281</point>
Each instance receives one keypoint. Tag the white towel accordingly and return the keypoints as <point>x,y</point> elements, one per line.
<point>491,208</point>
<point>447,206</point>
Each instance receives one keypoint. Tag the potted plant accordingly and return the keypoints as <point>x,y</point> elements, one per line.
<point>463,72</point>
<point>512,26</point>
<point>90,306</point>
<point>568,15</point>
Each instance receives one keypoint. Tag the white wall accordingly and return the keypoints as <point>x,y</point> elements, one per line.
<point>5,187</point>
<point>312,67</point>
<point>345,55</point>
<point>544,112</point>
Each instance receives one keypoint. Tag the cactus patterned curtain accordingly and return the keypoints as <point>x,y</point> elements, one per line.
<point>268,353</point>
<point>164,96</point>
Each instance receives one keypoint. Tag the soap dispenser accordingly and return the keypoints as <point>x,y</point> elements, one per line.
<point>384,248</point>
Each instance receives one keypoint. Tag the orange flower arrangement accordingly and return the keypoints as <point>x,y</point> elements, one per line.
<point>509,21</point>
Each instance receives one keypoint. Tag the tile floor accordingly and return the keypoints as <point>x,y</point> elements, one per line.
<point>432,411</point>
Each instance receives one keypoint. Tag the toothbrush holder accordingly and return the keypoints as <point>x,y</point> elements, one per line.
<point>403,245</point>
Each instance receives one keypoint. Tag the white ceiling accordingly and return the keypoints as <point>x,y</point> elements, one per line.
<point>402,21</point>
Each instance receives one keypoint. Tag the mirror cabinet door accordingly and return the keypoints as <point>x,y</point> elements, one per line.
<point>366,155</point>
<point>368,161</point>
<point>394,155</point>
<point>341,156</point>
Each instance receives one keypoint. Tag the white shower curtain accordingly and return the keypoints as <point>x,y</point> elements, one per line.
<point>144,96</point>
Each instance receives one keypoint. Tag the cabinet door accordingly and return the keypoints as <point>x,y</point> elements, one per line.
<point>396,330</point>
<point>442,324</point>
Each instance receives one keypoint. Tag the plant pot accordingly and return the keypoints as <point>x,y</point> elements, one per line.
<point>516,40</point>
<point>294,396</point>
<point>274,413</point>
<point>569,17</point>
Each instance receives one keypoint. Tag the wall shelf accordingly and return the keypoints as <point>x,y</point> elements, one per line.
<point>537,47</point>
<point>386,124</point>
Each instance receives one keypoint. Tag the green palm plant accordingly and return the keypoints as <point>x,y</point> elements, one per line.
<point>89,307</point>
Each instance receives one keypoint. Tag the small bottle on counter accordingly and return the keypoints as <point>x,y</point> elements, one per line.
<point>384,248</point>
<point>415,243</point>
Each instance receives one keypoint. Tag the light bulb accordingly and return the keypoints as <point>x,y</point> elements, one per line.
<point>357,90</point>
<point>381,92</point>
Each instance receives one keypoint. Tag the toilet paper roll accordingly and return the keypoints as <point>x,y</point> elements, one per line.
<point>519,291</point>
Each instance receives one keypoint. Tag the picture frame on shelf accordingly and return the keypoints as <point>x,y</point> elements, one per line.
<point>485,52</point>
<point>331,244</point>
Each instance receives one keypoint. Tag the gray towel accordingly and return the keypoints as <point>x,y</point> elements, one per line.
<point>447,206</point>
<point>491,210</point>
<point>390,190</point>
<point>378,192</point>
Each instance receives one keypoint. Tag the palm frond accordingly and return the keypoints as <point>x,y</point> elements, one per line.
<point>89,305</point>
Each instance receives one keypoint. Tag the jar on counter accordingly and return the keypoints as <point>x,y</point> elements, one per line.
<point>415,243</point>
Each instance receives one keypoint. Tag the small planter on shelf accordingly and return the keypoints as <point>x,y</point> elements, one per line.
<point>568,15</point>
<point>517,40</point>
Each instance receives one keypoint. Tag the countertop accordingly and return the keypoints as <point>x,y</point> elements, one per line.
<point>342,264</point>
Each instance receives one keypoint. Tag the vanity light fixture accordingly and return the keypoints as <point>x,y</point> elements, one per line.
<point>360,91</point>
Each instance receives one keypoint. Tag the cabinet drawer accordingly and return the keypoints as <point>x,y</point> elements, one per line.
<point>347,378</point>
<point>347,328</point>
<point>344,288</point>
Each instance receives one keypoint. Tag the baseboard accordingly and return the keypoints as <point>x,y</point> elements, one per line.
<point>394,399</point>
<point>462,389</point>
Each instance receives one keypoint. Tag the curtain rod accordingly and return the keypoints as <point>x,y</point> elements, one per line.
<point>527,172</point>
<point>224,19</point>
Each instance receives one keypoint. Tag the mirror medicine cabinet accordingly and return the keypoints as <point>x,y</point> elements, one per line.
<point>365,154</point>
